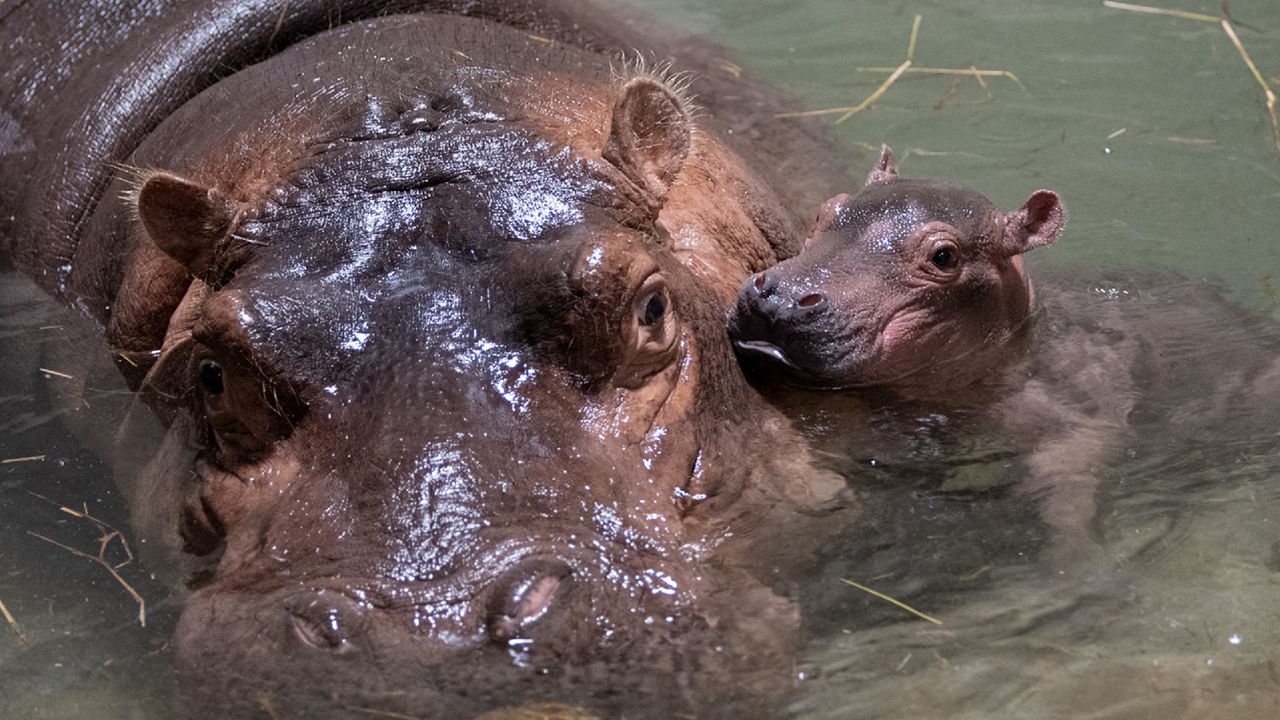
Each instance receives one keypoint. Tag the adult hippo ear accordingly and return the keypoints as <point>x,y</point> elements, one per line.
<point>179,225</point>
<point>650,135</point>
<point>885,169</point>
<point>1037,223</point>
<point>184,219</point>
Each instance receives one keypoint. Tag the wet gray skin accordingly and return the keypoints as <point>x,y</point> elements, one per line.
<point>908,282</point>
<point>441,407</point>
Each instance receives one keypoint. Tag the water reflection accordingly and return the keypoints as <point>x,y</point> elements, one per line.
<point>1171,605</point>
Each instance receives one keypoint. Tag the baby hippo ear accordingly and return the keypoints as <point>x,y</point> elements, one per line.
<point>1038,222</point>
<point>827,216</point>
<point>885,169</point>
<point>184,219</point>
<point>649,137</point>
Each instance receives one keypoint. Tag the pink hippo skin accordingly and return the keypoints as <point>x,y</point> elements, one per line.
<point>913,298</point>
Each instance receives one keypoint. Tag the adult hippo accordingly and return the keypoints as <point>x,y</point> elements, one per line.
<point>429,309</point>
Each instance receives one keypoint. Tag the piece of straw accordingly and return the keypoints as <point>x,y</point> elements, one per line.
<point>28,458</point>
<point>875,95</point>
<point>108,535</point>
<point>1159,11</point>
<point>849,112</point>
<point>380,713</point>
<point>8,616</point>
<point>1268,94</point>
<point>907,66</point>
<point>899,603</point>
<point>976,72</point>
<point>1266,91</point>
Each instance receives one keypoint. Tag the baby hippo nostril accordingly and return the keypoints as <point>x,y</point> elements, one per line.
<point>524,596</point>
<point>764,284</point>
<point>812,300</point>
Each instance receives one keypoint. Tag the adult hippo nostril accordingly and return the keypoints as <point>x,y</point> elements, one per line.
<point>524,595</point>
<point>327,621</point>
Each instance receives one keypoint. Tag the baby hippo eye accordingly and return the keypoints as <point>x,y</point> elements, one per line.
<point>944,257</point>
<point>654,309</point>
<point>210,374</point>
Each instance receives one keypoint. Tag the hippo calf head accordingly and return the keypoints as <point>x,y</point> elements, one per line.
<point>438,381</point>
<point>906,282</point>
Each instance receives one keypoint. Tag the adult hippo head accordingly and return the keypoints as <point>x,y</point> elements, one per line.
<point>441,403</point>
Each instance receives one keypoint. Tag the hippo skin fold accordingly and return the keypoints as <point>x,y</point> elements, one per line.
<point>418,309</point>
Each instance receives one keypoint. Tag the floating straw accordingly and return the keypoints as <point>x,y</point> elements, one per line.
<point>109,534</point>
<point>1268,94</point>
<point>907,66</point>
<point>899,603</point>
<point>8,616</point>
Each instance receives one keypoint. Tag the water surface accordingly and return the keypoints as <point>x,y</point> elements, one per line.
<point>1156,136</point>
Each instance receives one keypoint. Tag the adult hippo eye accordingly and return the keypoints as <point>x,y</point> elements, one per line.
<point>319,633</point>
<point>654,309</point>
<point>654,323</point>
<point>244,411</point>
<point>210,375</point>
<point>651,336</point>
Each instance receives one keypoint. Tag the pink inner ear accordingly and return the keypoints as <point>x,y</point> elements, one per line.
<point>1037,223</point>
<point>1044,214</point>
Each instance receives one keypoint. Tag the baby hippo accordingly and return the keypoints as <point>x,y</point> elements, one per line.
<point>912,296</point>
<point>909,282</point>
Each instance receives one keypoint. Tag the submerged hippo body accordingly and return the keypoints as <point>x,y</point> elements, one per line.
<point>912,296</point>
<point>425,316</point>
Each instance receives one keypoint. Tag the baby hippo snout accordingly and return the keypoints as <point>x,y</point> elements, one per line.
<point>772,316</point>
<point>765,297</point>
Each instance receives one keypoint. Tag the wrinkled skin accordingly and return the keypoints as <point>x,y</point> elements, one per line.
<point>912,296</point>
<point>425,316</point>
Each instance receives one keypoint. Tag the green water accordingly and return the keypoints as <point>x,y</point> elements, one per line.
<point>1192,180</point>
<point>1157,137</point>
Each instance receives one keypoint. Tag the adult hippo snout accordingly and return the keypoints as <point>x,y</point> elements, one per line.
<point>540,609</point>
<point>488,478</point>
<point>470,469</point>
